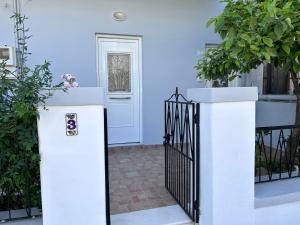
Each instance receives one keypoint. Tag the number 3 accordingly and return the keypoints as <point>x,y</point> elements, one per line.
<point>71,124</point>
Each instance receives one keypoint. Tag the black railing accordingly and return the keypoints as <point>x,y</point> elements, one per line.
<point>182,153</point>
<point>20,201</point>
<point>277,153</point>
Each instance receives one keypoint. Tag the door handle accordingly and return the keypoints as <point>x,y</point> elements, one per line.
<point>120,98</point>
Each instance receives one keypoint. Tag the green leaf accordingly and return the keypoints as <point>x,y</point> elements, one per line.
<point>210,22</point>
<point>267,57</point>
<point>241,43</point>
<point>219,22</point>
<point>254,47</point>
<point>272,51</point>
<point>286,49</point>
<point>271,8</point>
<point>296,68</point>
<point>228,44</point>
<point>298,36</point>
<point>231,33</point>
<point>278,30</point>
<point>234,53</point>
<point>289,22</point>
<point>246,37</point>
<point>268,41</point>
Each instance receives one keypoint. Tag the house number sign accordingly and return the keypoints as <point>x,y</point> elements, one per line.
<point>71,124</point>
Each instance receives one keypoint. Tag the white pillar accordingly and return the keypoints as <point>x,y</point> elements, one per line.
<point>73,163</point>
<point>227,146</point>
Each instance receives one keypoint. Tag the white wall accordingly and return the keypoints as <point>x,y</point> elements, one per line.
<point>73,167</point>
<point>227,119</point>
<point>283,214</point>
<point>227,122</point>
<point>172,30</point>
<point>275,113</point>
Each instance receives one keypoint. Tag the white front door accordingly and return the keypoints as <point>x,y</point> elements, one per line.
<point>119,70</point>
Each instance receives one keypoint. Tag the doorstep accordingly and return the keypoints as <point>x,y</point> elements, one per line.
<point>169,215</point>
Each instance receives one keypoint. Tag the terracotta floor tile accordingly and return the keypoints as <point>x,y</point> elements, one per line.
<point>136,176</point>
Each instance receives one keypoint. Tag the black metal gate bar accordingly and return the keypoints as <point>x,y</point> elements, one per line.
<point>107,197</point>
<point>182,155</point>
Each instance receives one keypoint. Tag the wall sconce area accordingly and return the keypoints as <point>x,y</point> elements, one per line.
<point>119,16</point>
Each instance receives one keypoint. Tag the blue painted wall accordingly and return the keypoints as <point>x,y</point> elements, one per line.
<point>173,32</point>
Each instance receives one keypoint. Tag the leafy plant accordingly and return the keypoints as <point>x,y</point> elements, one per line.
<point>255,32</point>
<point>19,100</point>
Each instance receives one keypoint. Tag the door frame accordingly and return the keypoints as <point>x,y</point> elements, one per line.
<point>122,38</point>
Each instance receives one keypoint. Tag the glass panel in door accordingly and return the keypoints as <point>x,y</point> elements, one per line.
<point>119,72</point>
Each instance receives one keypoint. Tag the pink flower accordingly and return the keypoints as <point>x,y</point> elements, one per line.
<point>75,84</point>
<point>69,80</point>
<point>67,84</point>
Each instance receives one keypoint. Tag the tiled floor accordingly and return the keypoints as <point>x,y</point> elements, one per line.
<point>137,179</point>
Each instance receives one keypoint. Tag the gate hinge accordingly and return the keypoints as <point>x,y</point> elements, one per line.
<point>197,210</point>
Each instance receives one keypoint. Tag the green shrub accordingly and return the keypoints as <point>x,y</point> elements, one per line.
<point>21,92</point>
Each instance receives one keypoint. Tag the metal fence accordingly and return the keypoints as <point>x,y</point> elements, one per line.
<point>277,153</point>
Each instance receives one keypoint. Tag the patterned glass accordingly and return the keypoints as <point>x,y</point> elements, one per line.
<point>119,74</point>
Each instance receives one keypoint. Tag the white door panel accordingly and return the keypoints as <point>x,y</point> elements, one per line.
<point>117,119</point>
<point>119,62</point>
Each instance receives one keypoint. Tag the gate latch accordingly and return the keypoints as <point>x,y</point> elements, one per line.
<point>167,139</point>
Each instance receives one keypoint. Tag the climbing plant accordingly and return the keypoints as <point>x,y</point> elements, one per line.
<point>22,91</point>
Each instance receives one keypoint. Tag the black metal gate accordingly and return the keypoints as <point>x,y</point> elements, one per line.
<point>182,153</point>
<point>107,197</point>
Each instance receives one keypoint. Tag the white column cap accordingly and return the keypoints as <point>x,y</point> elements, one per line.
<point>77,96</point>
<point>218,95</point>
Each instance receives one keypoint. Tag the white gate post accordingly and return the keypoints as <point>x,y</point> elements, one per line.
<point>72,148</point>
<point>227,149</point>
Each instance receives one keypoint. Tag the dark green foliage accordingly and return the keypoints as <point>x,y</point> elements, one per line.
<point>253,33</point>
<point>19,98</point>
